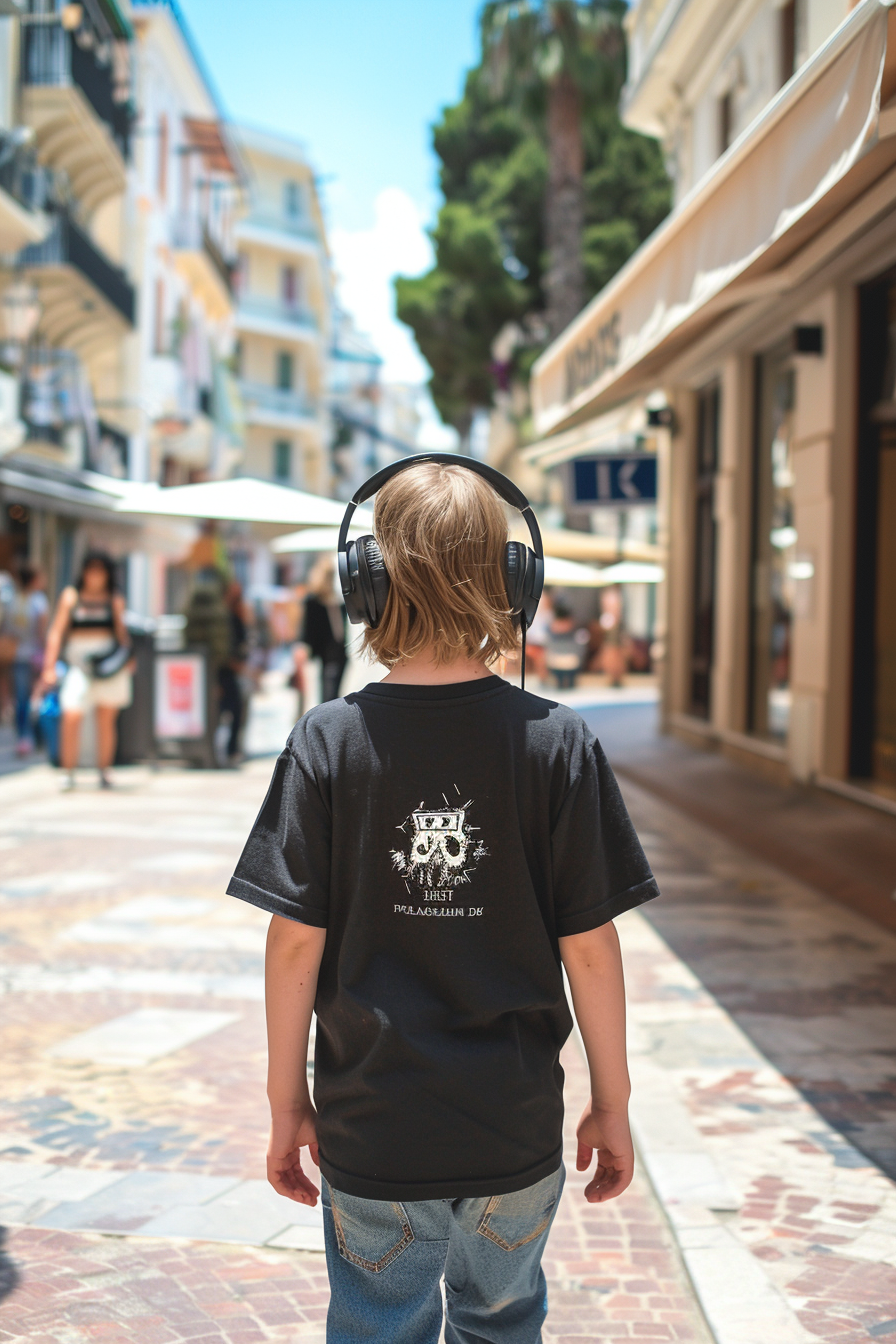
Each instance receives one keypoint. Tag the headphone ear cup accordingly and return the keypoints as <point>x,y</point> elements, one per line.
<point>373,579</point>
<point>515,570</point>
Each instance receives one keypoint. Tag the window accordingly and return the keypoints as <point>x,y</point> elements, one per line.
<point>726,110</point>
<point>159,342</point>
<point>288,286</point>
<point>241,273</point>
<point>703,616</point>
<point>775,565</point>
<point>284,370</point>
<point>162,163</point>
<point>292,200</point>
<point>282,460</point>
<point>792,38</point>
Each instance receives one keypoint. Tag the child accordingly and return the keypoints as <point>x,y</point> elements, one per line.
<point>431,849</point>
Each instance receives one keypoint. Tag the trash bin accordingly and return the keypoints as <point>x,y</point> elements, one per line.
<point>136,740</point>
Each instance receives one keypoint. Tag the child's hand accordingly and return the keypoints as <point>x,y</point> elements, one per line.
<point>291,1131</point>
<point>609,1134</point>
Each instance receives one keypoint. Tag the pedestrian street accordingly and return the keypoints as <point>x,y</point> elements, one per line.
<point>133,1121</point>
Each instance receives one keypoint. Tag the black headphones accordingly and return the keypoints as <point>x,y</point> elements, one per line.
<point>362,572</point>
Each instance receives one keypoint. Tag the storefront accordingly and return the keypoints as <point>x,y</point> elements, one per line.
<point>759,323</point>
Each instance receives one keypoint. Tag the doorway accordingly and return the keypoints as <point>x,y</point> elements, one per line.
<point>704,588</point>
<point>873,745</point>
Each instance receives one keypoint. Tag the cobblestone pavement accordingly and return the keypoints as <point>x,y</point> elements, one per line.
<point>133,1117</point>
<point>132,1123</point>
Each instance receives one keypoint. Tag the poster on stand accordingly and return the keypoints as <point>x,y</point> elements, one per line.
<point>180,707</point>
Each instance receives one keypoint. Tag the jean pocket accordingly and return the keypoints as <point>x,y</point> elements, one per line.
<point>513,1220</point>
<point>371,1233</point>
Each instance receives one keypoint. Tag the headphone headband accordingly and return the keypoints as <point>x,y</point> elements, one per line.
<point>510,493</point>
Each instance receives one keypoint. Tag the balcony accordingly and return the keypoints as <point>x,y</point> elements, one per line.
<point>273,406</point>
<point>284,233</point>
<point>203,265</point>
<point>78,107</point>
<point>86,301</point>
<point>273,317</point>
<point>22,197</point>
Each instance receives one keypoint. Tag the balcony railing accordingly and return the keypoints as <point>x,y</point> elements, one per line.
<point>24,178</point>
<point>191,234</point>
<point>56,58</point>
<point>68,245</point>
<point>298,226</point>
<point>277,310</point>
<point>276,401</point>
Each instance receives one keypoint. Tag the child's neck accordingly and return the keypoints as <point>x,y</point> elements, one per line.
<point>422,670</point>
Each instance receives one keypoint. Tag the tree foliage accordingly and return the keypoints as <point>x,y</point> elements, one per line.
<point>489,238</point>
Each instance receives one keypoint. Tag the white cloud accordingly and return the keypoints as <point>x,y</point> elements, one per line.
<point>367,261</point>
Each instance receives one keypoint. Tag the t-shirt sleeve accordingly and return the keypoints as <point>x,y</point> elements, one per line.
<point>285,865</point>
<point>599,868</point>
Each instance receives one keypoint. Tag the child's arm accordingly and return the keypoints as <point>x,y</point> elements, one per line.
<point>594,966</point>
<point>292,961</point>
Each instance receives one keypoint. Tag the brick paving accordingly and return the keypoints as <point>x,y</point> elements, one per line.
<point>68,864</point>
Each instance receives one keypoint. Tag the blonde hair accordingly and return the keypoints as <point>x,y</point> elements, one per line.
<point>442,531</point>
<point>322,579</point>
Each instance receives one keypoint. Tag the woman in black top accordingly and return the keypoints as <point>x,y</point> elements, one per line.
<point>88,624</point>
<point>323,628</point>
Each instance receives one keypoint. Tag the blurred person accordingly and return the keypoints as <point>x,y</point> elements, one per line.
<point>566,643</point>
<point>537,638</point>
<point>323,627</point>
<point>7,647</point>
<point>25,621</point>
<point>614,647</point>
<point>441,791</point>
<point>88,631</point>
<point>231,671</point>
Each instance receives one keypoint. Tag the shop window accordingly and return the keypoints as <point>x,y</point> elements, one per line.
<point>283,460</point>
<point>704,588</point>
<point>873,746</point>
<point>284,370</point>
<point>775,566</point>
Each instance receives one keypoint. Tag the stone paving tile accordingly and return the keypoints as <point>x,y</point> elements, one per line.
<point>807,1206</point>
<point>614,1272</point>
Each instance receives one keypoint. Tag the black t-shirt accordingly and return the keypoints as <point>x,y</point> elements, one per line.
<point>445,837</point>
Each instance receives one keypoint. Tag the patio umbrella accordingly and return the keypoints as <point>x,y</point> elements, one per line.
<point>313,539</point>
<point>630,571</point>
<point>241,499</point>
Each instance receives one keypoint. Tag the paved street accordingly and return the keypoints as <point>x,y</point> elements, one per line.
<point>132,1124</point>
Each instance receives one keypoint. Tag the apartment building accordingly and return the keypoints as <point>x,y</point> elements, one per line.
<point>754,334</point>
<point>67,299</point>
<point>283,317</point>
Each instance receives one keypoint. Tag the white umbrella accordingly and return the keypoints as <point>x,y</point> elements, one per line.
<point>569,574</point>
<point>314,539</point>
<point>242,499</point>
<point>631,571</point>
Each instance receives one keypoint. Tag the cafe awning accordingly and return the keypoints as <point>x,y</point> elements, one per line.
<point>240,499</point>
<point>815,147</point>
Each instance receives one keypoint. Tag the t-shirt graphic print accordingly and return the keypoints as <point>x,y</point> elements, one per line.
<point>441,854</point>
<point>436,1067</point>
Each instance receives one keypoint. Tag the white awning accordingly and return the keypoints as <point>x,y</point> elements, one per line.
<point>313,539</point>
<point>241,499</point>
<point>620,430</point>
<point>816,145</point>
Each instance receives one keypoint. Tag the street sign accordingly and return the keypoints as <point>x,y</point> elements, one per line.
<point>619,480</point>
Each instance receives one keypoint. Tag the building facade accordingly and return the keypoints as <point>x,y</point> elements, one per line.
<point>755,334</point>
<point>66,275</point>
<point>283,316</point>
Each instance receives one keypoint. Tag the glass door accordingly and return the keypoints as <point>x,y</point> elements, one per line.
<point>774,547</point>
<point>704,590</point>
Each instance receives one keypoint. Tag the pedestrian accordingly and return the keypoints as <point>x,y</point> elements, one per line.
<point>25,624</point>
<point>432,849</point>
<point>88,631</point>
<point>231,671</point>
<point>566,644</point>
<point>323,627</point>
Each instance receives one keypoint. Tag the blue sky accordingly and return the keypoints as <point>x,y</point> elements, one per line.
<point>359,81</point>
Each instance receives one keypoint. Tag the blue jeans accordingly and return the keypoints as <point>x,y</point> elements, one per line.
<point>23,679</point>
<point>385,1262</point>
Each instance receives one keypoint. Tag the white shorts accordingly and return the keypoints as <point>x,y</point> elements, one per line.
<point>80,690</point>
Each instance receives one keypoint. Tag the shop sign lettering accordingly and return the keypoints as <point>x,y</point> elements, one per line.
<point>593,355</point>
